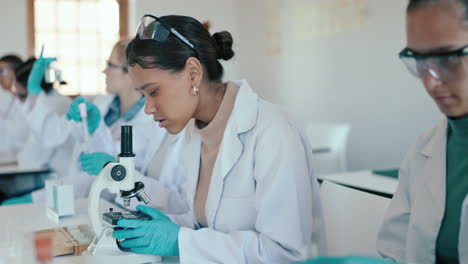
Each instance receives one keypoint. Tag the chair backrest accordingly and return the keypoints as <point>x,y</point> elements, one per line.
<point>329,143</point>
<point>352,219</point>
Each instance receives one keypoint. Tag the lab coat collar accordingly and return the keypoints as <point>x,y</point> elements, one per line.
<point>435,169</point>
<point>244,113</point>
<point>243,119</point>
<point>437,140</point>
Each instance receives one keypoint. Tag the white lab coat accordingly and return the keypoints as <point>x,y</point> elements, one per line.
<point>35,153</point>
<point>57,131</point>
<point>163,177</point>
<point>413,219</point>
<point>263,204</point>
<point>13,126</point>
<point>147,139</point>
<point>111,135</point>
<point>5,99</point>
<point>151,144</point>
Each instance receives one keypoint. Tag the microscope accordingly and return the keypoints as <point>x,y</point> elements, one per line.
<point>118,178</point>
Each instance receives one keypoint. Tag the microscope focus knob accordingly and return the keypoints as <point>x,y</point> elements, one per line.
<point>118,173</point>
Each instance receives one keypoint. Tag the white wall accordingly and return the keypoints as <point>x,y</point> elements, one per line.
<point>13,29</point>
<point>352,75</point>
<point>13,32</point>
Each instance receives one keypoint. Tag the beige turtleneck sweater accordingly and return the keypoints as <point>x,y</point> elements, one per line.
<point>212,135</point>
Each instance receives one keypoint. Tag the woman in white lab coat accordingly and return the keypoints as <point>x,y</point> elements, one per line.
<point>423,220</point>
<point>248,176</point>
<point>10,117</point>
<point>124,106</point>
<point>21,132</point>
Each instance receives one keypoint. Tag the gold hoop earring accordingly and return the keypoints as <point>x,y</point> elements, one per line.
<point>195,91</point>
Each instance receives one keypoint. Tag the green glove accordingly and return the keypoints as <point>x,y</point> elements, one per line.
<point>94,162</point>
<point>37,74</point>
<point>158,236</point>
<point>346,260</point>
<point>94,116</point>
<point>25,199</point>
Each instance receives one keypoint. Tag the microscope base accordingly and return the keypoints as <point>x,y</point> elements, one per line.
<point>105,250</point>
<point>115,256</point>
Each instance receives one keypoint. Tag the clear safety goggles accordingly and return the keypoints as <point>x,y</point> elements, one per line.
<point>151,27</point>
<point>443,66</point>
<point>3,71</point>
<point>116,66</point>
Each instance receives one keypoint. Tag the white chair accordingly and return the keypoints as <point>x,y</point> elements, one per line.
<point>352,219</point>
<point>329,143</point>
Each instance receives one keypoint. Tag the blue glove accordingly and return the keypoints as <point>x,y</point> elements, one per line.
<point>37,74</point>
<point>159,236</point>
<point>25,199</point>
<point>346,260</point>
<point>94,116</point>
<point>94,162</point>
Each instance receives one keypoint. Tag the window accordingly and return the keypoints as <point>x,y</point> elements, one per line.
<point>81,34</point>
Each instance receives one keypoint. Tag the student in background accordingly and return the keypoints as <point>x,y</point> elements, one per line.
<point>157,152</point>
<point>423,220</point>
<point>22,133</point>
<point>8,65</point>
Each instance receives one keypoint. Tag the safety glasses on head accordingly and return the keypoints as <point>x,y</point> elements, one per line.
<point>151,27</point>
<point>443,66</point>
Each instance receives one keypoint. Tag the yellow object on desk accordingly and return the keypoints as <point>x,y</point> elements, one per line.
<point>68,240</point>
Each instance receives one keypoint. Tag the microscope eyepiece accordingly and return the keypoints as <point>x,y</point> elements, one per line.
<point>126,144</point>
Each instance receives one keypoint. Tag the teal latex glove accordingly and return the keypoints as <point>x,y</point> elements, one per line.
<point>159,236</point>
<point>25,199</point>
<point>93,163</point>
<point>346,260</point>
<point>94,116</point>
<point>37,74</point>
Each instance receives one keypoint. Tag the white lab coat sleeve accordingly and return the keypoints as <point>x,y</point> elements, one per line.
<point>391,239</point>
<point>54,129</point>
<point>185,221</point>
<point>47,120</point>
<point>167,199</point>
<point>100,141</point>
<point>14,132</point>
<point>283,226</point>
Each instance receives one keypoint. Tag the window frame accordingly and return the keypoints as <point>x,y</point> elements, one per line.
<point>31,38</point>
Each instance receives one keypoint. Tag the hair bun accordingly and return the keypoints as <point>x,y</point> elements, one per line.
<point>224,42</point>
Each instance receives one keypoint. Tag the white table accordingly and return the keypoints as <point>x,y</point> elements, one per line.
<point>17,222</point>
<point>364,180</point>
<point>15,169</point>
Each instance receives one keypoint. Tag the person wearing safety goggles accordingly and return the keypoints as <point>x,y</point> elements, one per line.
<point>248,174</point>
<point>155,150</point>
<point>422,222</point>
<point>20,132</point>
<point>8,65</point>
